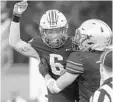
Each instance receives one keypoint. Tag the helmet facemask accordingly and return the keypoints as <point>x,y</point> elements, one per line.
<point>53,28</point>
<point>84,42</point>
<point>54,38</point>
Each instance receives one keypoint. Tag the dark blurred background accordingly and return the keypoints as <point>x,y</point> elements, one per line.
<point>79,11</point>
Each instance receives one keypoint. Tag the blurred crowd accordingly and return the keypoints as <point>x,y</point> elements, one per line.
<point>78,11</point>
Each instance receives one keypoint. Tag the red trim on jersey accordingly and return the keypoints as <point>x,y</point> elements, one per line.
<point>74,67</point>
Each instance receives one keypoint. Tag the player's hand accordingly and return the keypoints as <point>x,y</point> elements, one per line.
<point>50,85</point>
<point>20,7</point>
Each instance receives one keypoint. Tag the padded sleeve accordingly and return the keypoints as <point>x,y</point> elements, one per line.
<point>74,64</point>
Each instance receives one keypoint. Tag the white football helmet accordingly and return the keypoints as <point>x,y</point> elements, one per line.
<point>53,28</point>
<point>93,34</point>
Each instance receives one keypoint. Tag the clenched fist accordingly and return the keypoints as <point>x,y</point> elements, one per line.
<point>20,7</point>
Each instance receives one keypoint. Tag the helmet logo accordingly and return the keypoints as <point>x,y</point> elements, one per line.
<point>52,18</point>
<point>85,37</point>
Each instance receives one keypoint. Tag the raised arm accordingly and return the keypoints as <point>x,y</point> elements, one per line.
<point>14,34</point>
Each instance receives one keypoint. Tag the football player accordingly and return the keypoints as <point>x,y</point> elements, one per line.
<point>92,37</point>
<point>52,48</point>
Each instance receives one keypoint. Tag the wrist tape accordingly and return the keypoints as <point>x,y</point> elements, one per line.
<point>16,18</point>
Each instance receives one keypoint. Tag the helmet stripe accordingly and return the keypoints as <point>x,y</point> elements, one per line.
<point>56,17</point>
<point>52,17</point>
<point>48,18</point>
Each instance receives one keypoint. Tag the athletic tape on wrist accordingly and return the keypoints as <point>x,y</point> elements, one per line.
<point>16,18</point>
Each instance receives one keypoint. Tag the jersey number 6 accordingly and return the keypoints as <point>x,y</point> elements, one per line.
<point>56,68</point>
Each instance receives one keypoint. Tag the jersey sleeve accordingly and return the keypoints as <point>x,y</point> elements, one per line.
<point>39,47</point>
<point>74,64</point>
<point>43,67</point>
<point>36,43</point>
